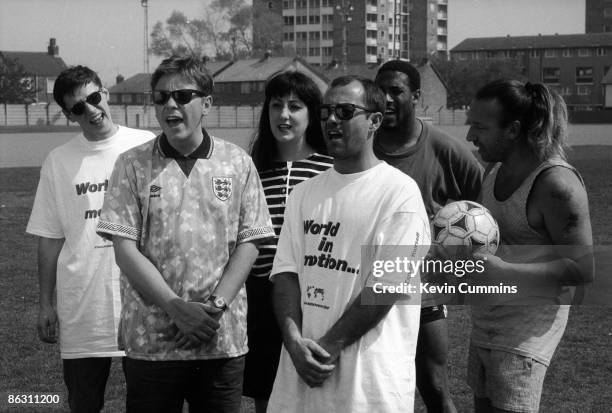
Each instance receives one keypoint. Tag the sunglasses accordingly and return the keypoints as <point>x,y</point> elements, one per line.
<point>343,111</point>
<point>93,99</point>
<point>182,96</point>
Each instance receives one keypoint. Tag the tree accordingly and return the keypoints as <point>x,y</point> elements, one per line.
<point>15,83</point>
<point>179,36</point>
<point>226,31</point>
<point>465,78</point>
<point>267,30</point>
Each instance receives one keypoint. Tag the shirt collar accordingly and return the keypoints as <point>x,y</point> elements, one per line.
<point>202,152</point>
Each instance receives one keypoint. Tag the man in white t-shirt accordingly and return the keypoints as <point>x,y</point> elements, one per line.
<point>72,259</point>
<point>339,353</point>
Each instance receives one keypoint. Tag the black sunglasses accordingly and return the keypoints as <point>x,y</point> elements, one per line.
<point>182,96</point>
<point>93,99</point>
<point>343,111</point>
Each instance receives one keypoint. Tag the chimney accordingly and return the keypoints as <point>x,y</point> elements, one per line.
<point>119,79</point>
<point>53,48</point>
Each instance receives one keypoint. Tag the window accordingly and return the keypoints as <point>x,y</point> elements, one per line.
<point>301,20</point>
<point>51,82</point>
<point>315,3</point>
<point>301,36</point>
<point>327,35</point>
<point>314,51</point>
<point>584,75</point>
<point>382,34</point>
<point>327,51</point>
<point>371,50</point>
<point>382,18</point>
<point>289,37</point>
<point>534,53</point>
<point>126,98</point>
<point>584,90</point>
<point>314,19</point>
<point>551,74</point>
<point>566,91</point>
<point>600,51</point>
<point>314,36</point>
<point>371,18</point>
<point>491,54</point>
<point>326,3</point>
<point>567,53</point>
<point>245,87</point>
<point>550,53</point>
<point>301,51</point>
<point>371,34</point>
<point>301,4</point>
<point>288,20</point>
<point>373,2</point>
<point>583,52</point>
<point>328,18</point>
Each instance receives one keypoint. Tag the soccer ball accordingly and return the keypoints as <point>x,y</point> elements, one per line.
<point>465,226</point>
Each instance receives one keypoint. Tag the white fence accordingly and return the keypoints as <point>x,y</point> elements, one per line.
<point>144,117</point>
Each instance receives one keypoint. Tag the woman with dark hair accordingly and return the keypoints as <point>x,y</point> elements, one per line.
<point>288,149</point>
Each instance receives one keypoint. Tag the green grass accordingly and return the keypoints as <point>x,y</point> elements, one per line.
<point>577,381</point>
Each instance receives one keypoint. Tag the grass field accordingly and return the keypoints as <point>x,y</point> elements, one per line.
<point>577,381</point>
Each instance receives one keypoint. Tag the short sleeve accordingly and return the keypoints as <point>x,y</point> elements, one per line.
<point>45,219</point>
<point>121,213</point>
<point>254,221</point>
<point>290,243</point>
<point>470,171</point>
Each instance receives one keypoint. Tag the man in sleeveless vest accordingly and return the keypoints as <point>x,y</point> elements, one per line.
<point>540,201</point>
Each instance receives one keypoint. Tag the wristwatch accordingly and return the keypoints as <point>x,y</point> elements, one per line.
<point>218,302</point>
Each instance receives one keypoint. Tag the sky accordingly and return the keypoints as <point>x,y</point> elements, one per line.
<point>108,35</point>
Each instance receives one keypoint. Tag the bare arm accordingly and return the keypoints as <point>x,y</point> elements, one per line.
<point>236,271</point>
<point>304,352</point>
<point>48,253</point>
<point>356,321</point>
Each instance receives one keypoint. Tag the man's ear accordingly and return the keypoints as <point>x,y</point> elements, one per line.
<point>513,130</point>
<point>68,115</point>
<point>206,104</point>
<point>375,121</point>
<point>416,96</point>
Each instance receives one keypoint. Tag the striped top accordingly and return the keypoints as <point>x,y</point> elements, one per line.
<point>278,182</point>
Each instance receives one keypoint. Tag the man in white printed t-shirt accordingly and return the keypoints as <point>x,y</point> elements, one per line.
<point>72,259</point>
<point>340,354</point>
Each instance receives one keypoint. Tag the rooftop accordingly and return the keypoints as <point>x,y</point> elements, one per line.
<point>38,63</point>
<point>535,42</point>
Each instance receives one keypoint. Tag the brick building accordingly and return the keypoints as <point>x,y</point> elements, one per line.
<point>42,67</point>
<point>598,16</point>
<point>572,64</point>
<point>243,82</point>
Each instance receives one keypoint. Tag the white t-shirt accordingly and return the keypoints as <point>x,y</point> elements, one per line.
<point>73,180</point>
<point>333,215</point>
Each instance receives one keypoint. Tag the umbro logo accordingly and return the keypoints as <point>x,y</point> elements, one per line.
<point>154,191</point>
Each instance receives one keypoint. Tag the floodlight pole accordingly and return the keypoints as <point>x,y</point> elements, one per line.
<point>145,5</point>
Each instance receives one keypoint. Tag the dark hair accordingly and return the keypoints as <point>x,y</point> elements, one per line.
<point>72,79</point>
<point>414,77</point>
<point>187,66</point>
<point>264,147</point>
<point>374,97</point>
<point>542,114</point>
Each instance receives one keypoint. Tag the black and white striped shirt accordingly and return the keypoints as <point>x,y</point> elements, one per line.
<point>278,183</point>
